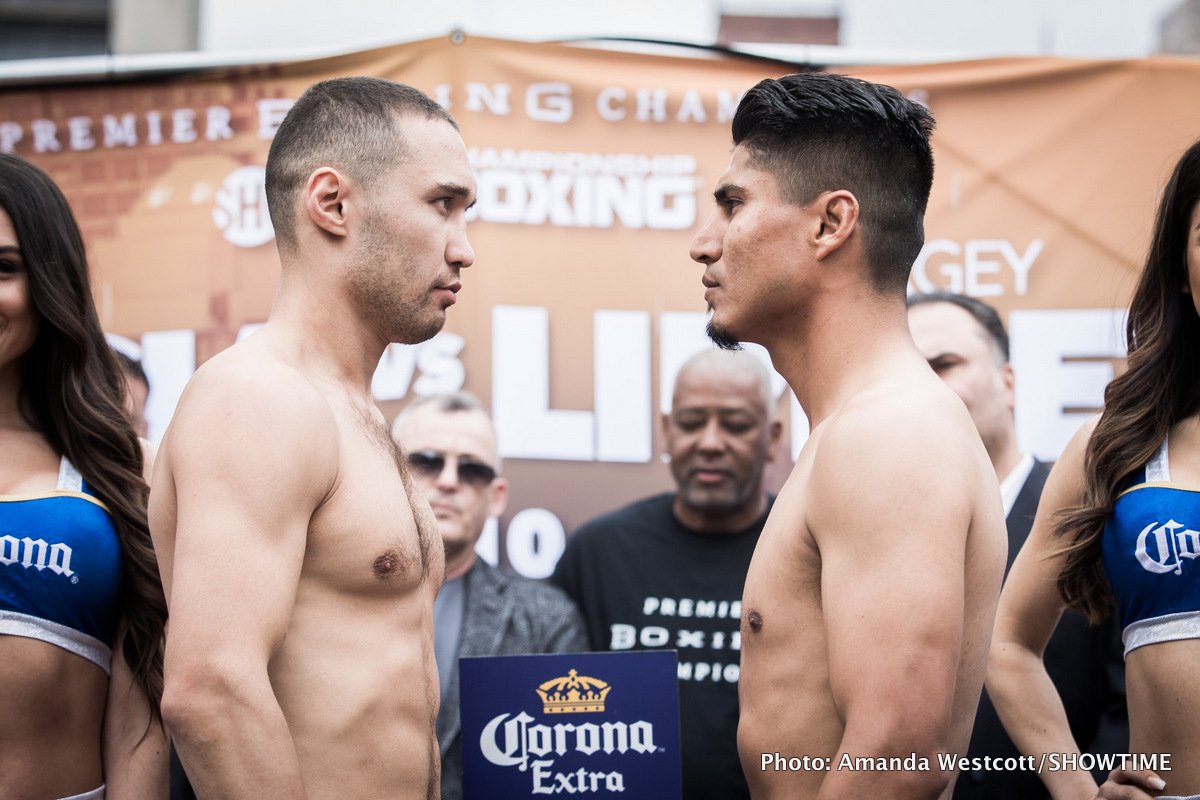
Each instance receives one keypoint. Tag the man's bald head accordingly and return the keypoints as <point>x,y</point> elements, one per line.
<point>719,435</point>
<point>728,362</point>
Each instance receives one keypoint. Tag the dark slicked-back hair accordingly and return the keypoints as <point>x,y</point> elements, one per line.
<point>986,316</point>
<point>350,124</point>
<point>817,132</point>
<point>72,393</point>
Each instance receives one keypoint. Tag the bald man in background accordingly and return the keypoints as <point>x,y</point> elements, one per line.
<point>667,571</point>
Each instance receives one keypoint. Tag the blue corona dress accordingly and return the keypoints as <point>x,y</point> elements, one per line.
<point>1151,552</point>
<point>60,568</point>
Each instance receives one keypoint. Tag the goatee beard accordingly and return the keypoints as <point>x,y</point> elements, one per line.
<point>722,339</point>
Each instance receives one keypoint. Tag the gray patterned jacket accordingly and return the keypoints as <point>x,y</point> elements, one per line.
<point>503,614</point>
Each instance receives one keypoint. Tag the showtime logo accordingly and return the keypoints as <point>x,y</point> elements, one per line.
<point>241,208</point>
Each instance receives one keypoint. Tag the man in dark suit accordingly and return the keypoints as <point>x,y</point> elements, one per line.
<point>966,344</point>
<point>450,448</point>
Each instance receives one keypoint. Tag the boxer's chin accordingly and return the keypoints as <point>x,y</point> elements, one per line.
<point>721,337</point>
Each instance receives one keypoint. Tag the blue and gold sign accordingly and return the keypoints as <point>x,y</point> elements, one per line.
<point>579,724</point>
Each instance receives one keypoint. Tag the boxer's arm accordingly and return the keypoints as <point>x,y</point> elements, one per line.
<point>251,458</point>
<point>890,515</point>
<point>1030,608</point>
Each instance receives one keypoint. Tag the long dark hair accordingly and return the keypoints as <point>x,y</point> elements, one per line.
<point>72,394</point>
<point>1160,387</point>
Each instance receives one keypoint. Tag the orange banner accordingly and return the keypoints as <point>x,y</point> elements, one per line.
<point>595,168</point>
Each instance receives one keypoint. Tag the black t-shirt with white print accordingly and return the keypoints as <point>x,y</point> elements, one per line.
<point>643,581</point>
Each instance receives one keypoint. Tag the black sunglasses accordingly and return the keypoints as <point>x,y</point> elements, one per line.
<point>430,463</point>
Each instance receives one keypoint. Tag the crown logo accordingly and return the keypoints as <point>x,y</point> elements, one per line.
<point>573,694</point>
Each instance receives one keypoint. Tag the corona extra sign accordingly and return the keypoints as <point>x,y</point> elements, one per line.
<point>600,724</point>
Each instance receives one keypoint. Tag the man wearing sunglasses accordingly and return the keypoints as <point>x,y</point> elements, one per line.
<point>450,446</point>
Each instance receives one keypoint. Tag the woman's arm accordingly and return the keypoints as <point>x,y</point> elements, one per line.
<point>135,744</point>
<point>1029,610</point>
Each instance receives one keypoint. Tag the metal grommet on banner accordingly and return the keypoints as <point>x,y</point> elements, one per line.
<point>458,36</point>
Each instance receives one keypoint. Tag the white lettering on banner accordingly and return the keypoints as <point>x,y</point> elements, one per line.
<point>534,541</point>
<point>183,126</point>
<point>216,124</point>
<point>45,136</point>
<point>549,102</point>
<point>613,104</point>
<point>553,102</point>
<point>651,105</point>
<point>120,132</point>
<point>10,134</point>
<point>154,128</point>
<point>978,272</point>
<point>441,95</point>
<point>241,208</point>
<point>437,359</point>
<point>585,189</point>
<point>620,430</point>
<point>691,109</point>
<point>1063,360</point>
<point>607,103</point>
<point>622,383</point>
<point>122,129</point>
<point>81,133</point>
<point>526,426</point>
<point>487,546</point>
<point>494,98</point>
<point>169,358</point>
<point>270,115</point>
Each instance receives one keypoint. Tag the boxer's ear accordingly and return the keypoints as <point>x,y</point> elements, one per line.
<point>836,215</point>
<point>325,195</point>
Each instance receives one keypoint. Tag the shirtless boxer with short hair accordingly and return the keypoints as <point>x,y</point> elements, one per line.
<point>299,565</point>
<point>869,602</point>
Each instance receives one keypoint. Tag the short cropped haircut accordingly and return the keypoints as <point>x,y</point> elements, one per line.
<point>987,317</point>
<point>817,132</point>
<point>460,402</point>
<point>350,124</point>
<point>447,403</point>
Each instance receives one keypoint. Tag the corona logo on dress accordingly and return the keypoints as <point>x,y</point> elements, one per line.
<point>36,554</point>
<point>573,694</point>
<point>1162,549</point>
